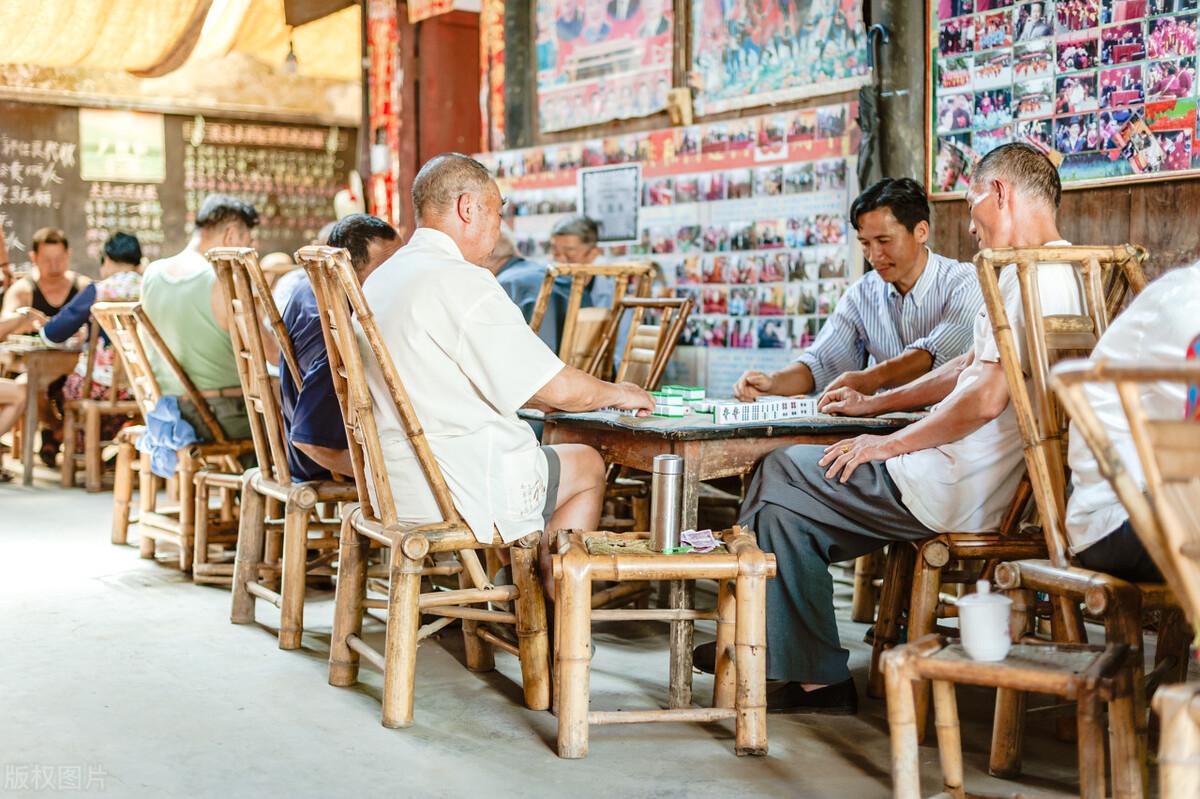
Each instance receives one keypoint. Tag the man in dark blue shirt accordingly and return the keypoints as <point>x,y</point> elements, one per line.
<point>312,417</point>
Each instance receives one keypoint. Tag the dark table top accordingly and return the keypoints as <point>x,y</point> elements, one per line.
<point>701,426</point>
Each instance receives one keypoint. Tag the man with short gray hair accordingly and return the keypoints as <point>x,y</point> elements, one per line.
<point>468,361</point>
<point>956,470</point>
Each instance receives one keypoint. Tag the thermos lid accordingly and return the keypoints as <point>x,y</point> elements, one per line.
<point>668,464</point>
<point>983,596</point>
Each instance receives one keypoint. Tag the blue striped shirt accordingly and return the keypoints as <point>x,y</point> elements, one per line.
<point>874,322</point>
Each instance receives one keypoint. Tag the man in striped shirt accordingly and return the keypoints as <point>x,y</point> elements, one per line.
<point>909,315</point>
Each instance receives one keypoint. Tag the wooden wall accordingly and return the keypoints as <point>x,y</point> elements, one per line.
<point>1159,216</point>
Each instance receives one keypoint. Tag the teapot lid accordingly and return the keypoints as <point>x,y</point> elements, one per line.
<point>983,596</point>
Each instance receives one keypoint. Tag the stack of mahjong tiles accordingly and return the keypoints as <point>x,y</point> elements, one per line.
<point>668,404</point>
<point>692,397</point>
<point>764,409</point>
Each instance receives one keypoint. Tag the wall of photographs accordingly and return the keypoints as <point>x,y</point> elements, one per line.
<point>746,216</point>
<point>1110,84</point>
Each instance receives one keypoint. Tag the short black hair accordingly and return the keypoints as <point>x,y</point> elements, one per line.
<point>904,197</point>
<point>356,232</point>
<point>579,225</point>
<point>220,209</point>
<point>124,249</point>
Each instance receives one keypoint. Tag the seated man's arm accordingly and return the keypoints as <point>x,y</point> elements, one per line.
<point>979,403</point>
<point>904,368</point>
<point>21,320</point>
<point>574,390</point>
<point>335,460</point>
<point>929,389</point>
<point>19,295</point>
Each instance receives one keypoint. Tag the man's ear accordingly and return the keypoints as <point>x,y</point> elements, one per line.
<point>1003,194</point>
<point>921,232</point>
<point>465,208</point>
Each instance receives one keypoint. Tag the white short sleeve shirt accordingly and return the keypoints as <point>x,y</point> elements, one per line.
<point>966,485</point>
<point>468,361</point>
<point>1156,327</point>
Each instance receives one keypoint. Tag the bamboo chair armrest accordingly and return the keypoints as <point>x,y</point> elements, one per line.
<point>216,449</point>
<point>217,479</point>
<point>1101,593</point>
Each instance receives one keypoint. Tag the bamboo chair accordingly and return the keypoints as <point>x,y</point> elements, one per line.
<point>129,330</point>
<point>961,558</point>
<point>740,690</point>
<point>375,519</point>
<point>1089,676</point>
<point>91,412</point>
<point>582,328</point>
<point>247,298</point>
<point>1166,519</point>
<point>1106,276</point>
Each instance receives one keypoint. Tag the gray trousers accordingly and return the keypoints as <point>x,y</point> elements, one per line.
<point>809,522</point>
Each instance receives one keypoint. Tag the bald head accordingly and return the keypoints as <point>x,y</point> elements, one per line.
<point>455,194</point>
<point>444,179</point>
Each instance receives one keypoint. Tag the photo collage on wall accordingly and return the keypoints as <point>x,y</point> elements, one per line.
<point>747,217</point>
<point>1109,84</point>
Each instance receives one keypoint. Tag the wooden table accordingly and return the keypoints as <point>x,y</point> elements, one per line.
<point>42,366</point>
<point>709,451</point>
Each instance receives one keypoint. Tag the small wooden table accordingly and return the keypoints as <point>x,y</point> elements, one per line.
<point>42,366</point>
<point>709,451</point>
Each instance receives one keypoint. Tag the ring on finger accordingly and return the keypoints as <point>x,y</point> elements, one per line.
<point>845,448</point>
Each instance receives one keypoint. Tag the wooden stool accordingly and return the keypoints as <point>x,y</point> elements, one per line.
<point>1085,674</point>
<point>739,692</point>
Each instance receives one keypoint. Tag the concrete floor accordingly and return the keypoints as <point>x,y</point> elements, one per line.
<point>119,675</point>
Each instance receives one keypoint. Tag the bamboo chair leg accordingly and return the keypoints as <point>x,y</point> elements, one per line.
<point>1124,625</point>
<point>574,605</point>
<point>68,462</point>
<point>922,613</point>
<point>200,520</point>
<point>532,640</point>
<point>1090,740</point>
<point>641,512</point>
<point>348,603</point>
<point>862,607</point>
<point>400,646</point>
<point>251,531</point>
<point>751,660</point>
<point>725,681</point>
<point>949,737</point>
<point>93,465</point>
<point>1008,725</point>
<point>273,544</point>
<point>902,723</point>
<point>122,492</point>
<point>1129,773</point>
<point>148,503</point>
<point>295,551</point>
<point>893,600</point>
<point>187,516</point>
<point>478,652</point>
<point>172,488</point>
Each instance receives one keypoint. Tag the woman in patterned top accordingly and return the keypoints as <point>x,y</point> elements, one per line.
<point>120,282</point>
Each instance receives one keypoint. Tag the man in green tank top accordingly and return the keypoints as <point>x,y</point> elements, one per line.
<point>183,299</point>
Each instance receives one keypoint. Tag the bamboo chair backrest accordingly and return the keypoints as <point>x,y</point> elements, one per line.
<point>247,296</point>
<point>650,344</point>
<point>582,327</point>
<point>338,294</point>
<point>1166,517</point>
<point>1106,276</point>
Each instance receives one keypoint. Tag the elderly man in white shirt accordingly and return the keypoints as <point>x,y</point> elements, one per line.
<point>1157,327</point>
<point>955,470</point>
<point>468,361</point>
